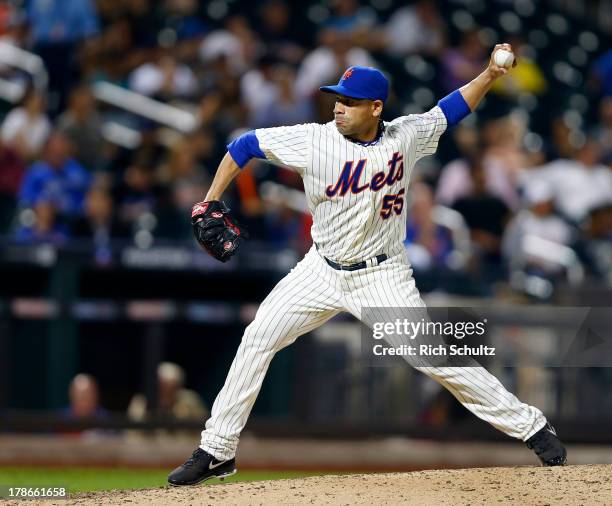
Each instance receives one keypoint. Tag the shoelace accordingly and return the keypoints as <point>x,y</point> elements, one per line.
<point>194,456</point>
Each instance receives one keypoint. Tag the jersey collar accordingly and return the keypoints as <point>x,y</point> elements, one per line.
<point>379,134</point>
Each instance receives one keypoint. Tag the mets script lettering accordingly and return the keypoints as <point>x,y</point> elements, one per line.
<point>350,176</point>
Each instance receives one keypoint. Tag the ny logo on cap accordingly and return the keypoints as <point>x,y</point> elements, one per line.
<point>348,73</point>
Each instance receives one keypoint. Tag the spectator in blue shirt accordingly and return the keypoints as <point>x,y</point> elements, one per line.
<point>57,178</point>
<point>84,394</point>
<point>57,28</point>
<point>602,70</point>
<point>428,243</point>
<point>55,21</point>
<point>42,226</point>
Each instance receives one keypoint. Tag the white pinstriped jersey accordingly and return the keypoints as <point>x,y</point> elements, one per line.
<point>356,193</point>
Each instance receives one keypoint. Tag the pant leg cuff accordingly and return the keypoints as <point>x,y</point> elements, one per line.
<point>538,425</point>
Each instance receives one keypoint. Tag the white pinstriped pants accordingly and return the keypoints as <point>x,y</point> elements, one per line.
<point>307,297</point>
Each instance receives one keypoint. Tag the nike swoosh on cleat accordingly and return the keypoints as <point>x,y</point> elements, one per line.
<point>212,466</point>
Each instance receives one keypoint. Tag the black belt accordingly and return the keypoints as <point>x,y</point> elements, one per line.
<point>359,265</point>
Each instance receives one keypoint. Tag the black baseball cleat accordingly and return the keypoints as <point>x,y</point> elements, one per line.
<point>201,466</point>
<point>547,446</point>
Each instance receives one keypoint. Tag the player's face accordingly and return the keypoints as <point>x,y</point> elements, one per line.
<point>354,116</point>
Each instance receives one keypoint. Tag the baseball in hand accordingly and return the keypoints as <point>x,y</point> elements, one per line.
<point>503,58</point>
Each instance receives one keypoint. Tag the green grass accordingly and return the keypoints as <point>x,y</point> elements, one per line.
<point>78,479</point>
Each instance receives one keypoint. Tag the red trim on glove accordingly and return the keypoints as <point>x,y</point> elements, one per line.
<point>199,208</point>
<point>231,225</point>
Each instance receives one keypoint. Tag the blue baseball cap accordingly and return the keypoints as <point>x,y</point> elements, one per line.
<point>361,82</point>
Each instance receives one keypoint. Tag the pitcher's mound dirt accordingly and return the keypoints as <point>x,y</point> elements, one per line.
<point>570,485</point>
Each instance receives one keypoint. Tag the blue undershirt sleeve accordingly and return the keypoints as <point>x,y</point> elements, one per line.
<point>454,107</point>
<point>245,147</point>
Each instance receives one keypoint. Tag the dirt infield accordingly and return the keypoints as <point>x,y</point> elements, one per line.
<point>571,485</point>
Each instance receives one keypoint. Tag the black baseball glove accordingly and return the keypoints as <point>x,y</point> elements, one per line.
<point>215,230</point>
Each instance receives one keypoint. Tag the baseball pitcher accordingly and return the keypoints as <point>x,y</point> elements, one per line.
<point>356,170</point>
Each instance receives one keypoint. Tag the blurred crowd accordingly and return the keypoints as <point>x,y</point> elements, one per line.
<point>174,400</point>
<point>525,183</point>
